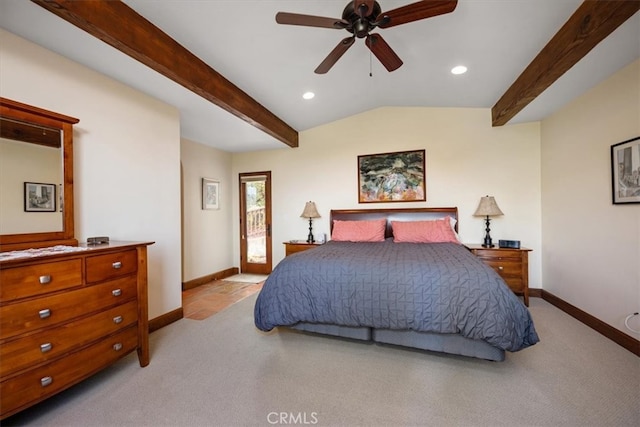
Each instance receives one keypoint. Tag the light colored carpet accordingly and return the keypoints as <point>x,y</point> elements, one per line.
<point>246,278</point>
<point>222,371</point>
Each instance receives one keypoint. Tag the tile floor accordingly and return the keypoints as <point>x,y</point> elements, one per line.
<point>213,297</point>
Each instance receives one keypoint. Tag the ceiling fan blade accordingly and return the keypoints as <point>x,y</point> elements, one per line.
<point>415,12</point>
<point>363,8</point>
<point>310,20</point>
<point>383,52</point>
<point>335,54</point>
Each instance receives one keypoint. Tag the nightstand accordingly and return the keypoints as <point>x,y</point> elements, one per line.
<point>298,246</point>
<point>511,264</point>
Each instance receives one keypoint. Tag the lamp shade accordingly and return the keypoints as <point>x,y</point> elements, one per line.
<point>488,207</point>
<point>310,211</point>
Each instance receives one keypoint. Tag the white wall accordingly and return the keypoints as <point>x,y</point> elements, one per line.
<point>126,152</point>
<point>466,159</point>
<point>207,234</point>
<point>591,255</point>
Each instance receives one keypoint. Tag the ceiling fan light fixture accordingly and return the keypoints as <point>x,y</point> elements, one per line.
<point>361,28</point>
<point>308,95</point>
<point>459,69</point>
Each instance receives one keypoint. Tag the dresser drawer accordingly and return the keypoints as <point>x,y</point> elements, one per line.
<point>38,279</point>
<point>19,392</point>
<point>292,248</point>
<point>515,283</point>
<point>512,276</point>
<point>35,349</point>
<point>505,269</point>
<point>108,266</point>
<point>500,254</point>
<point>27,316</point>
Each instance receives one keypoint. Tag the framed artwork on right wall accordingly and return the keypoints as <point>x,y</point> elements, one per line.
<point>625,171</point>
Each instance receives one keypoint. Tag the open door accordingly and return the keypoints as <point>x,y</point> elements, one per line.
<point>255,223</point>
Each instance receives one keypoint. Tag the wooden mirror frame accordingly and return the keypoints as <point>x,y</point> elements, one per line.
<point>38,116</point>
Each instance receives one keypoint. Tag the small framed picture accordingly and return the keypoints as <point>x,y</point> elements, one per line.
<point>39,197</point>
<point>625,171</point>
<point>210,194</point>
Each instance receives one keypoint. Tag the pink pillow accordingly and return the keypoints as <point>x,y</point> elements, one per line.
<point>359,231</point>
<point>436,231</point>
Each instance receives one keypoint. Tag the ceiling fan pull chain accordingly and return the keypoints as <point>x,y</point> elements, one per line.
<point>370,65</point>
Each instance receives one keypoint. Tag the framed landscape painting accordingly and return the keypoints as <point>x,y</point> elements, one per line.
<point>625,171</point>
<point>392,177</point>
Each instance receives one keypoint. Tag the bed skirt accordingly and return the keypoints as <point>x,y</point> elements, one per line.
<point>355,333</point>
<point>443,343</point>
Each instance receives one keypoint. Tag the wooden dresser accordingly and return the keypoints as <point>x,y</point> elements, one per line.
<point>511,264</point>
<point>66,316</point>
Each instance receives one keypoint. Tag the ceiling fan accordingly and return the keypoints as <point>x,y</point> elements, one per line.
<point>360,17</point>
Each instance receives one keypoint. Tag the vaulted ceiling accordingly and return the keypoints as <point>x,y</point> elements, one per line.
<point>237,77</point>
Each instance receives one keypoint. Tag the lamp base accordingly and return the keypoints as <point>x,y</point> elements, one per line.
<point>487,238</point>
<point>310,236</point>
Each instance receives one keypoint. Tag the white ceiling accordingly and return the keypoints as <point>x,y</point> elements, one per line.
<point>495,39</point>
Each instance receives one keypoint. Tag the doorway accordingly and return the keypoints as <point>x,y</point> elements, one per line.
<point>255,223</point>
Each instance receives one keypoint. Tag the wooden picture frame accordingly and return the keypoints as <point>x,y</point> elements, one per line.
<point>625,171</point>
<point>39,197</point>
<point>210,194</point>
<point>392,177</point>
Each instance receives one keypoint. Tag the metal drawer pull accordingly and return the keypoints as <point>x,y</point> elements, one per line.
<point>45,279</point>
<point>45,347</point>
<point>45,381</point>
<point>501,268</point>
<point>117,265</point>
<point>117,346</point>
<point>44,313</point>
<point>116,292</point>
<point>117,319</point>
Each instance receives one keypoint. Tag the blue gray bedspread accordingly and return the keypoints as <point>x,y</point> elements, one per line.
<point>436,287</point>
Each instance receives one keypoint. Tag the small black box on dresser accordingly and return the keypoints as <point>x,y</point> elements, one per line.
<point>512,244</point>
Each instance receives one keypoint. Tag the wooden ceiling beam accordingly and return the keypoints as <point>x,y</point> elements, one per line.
<point>591,23</point>
<point>120,26</point>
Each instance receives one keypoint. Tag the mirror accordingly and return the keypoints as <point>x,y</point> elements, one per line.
<point>36,185</point>
<point>32,189</point>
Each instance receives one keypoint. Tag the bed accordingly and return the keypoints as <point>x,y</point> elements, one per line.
<point>397,289</point>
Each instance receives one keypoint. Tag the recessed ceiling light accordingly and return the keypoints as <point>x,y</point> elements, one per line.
<point>460,69</point>
<point>308,95</point>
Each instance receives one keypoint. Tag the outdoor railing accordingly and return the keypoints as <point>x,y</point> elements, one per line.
<point>256,222</point>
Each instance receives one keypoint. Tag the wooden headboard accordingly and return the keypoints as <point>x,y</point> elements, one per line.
<point>405,214</point>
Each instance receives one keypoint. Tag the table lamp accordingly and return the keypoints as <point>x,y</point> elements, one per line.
<point>310,212</point>
<point>488,208</point>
